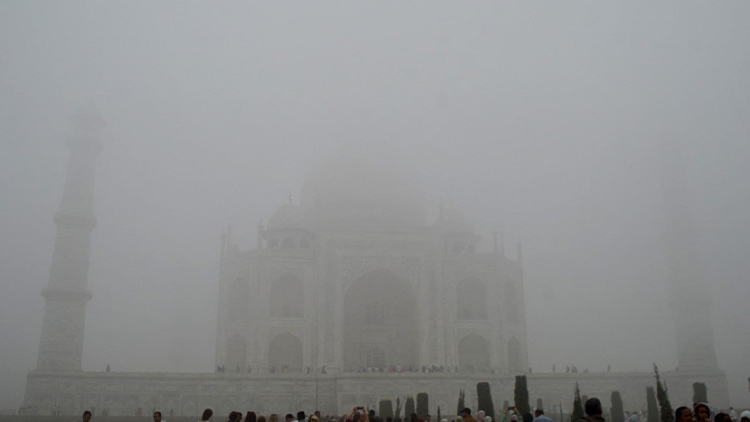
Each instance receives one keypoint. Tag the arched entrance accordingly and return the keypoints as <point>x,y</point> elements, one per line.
<point>285,354</point>
<point>236,352</point>
<point>473,354</point>
<point>381,328</point>
<point>514,356</point>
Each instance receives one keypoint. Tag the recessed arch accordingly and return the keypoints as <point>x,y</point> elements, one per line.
<point>236,352</point>
<point>515,362</point>
<point>473,354</point>
<point>285,353</point>
<point>287,297</point>
<point>239,291</point>
<point>471,299</point>
<point>512,304</point>
<point>381,324</point>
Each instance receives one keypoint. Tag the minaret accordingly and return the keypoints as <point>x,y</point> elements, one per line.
<point>696,350</point>
<point>61,345</point>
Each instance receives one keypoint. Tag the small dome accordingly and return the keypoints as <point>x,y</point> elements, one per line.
<point>453,221</point>
<point>288,216</point>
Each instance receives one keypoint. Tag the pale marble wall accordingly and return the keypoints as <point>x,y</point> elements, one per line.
<point>189,394</point>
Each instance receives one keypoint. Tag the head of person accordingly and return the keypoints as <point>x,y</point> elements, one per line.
<point>371,414</point>
<point>314,418</point>
<point>701,412</point>
<point>251,417</point>
<point>488,419</point>
<point>514,418</point>
<point>300,415</point>
<point>527,417</point>
<point>207,414</point>
<point>538,413</point>
<point>722,417</point>
<point>683,414</point>
<point>465,412</point>
<point>480,415</point>
<point>593,407</point>
<point>289,417</point>
<point>157,416</point>
<point>261,418</point>
<point>745,416</point>
<point>86,417</point>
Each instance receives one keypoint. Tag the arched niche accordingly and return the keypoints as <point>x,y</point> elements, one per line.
<point>239,290</point>
<point>471,300</point>
<point>513,306</point>
<point>473,354</point>
<point>287,297</point>
<point>285,353</point>
<point>236,352</point>
<point>380,322</point>
<point>515,360</point>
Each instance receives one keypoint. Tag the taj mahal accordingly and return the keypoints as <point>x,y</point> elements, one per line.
<point>358,281</point>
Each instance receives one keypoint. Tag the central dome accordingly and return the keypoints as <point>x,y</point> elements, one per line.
<point>348,192</point>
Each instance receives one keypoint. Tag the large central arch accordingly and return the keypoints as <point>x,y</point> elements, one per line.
<point>381,326</point>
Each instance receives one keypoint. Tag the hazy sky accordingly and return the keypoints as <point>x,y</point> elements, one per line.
<point>542,119</point>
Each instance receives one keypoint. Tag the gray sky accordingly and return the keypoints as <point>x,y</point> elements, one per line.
<point>541,119</point>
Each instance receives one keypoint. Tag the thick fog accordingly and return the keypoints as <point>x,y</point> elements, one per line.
<point>539,120</point>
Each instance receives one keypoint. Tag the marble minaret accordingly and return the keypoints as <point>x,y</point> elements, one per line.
<point>66,294</point>
<point>696,350</point>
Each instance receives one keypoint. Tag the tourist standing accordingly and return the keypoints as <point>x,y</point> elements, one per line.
<point>206,416</point>
<point>466,415</point>
<point>593,409</point>
<point>539,416</point>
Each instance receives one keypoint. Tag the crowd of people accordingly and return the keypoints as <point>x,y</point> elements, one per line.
<point>700,412</point>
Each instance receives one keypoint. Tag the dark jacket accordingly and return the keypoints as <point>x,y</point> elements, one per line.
<point>592,418</point>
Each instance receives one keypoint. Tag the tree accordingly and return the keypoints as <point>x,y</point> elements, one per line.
<point>651,406</point>
<point>409,407</point>
<point>521,395</point>
<point>484,400</point>
<point>461,398</point>
<point>616,412</point>
<point>397,413</point>
<point>577,406</point>
<point>700,393</point>
<point>439,417</point>
<point>385,409</point>
<point>665,408</point>
<point>423,407</point>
